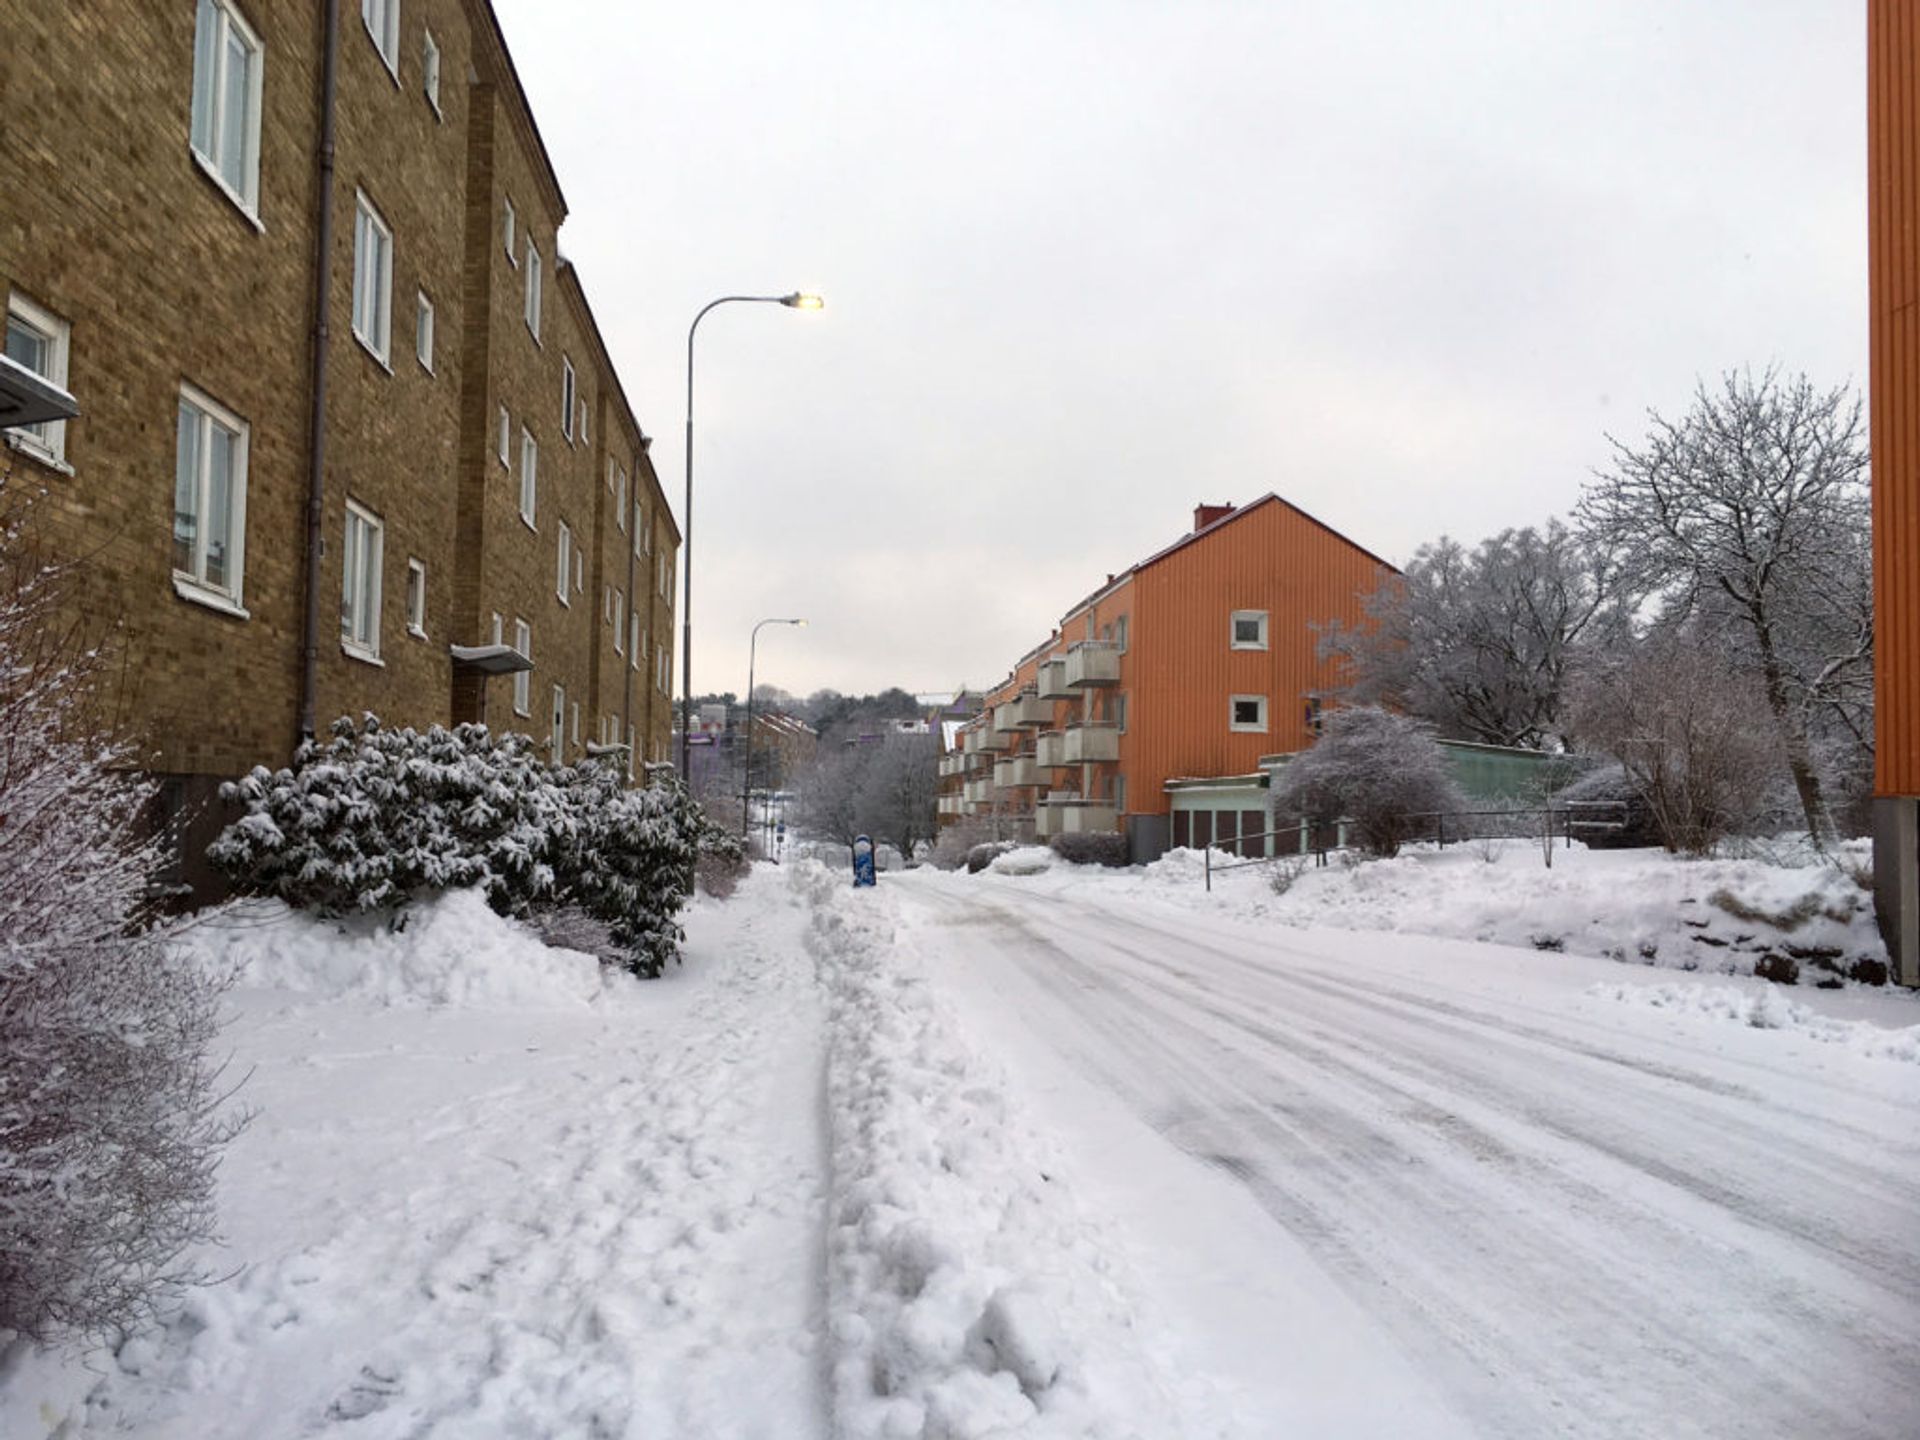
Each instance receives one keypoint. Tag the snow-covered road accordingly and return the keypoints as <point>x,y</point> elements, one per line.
<point>1469,1195</point>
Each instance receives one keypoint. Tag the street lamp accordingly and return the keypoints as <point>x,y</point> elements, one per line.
<point>746,769</point>
<point>798,300</point>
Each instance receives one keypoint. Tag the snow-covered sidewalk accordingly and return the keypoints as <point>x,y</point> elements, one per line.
<point>487,1194</point>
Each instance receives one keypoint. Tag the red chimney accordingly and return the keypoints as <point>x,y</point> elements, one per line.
<point>1205,515</point>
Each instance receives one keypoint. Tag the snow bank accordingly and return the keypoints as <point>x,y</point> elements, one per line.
<point>1024,860</point>
<point>1768,1008</point>
<point>451,950</point>
<point>968,1294</point>
<point>1636,905</point>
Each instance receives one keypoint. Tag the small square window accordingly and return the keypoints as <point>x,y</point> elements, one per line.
<point>1248,714</point>
<point>423,333</point>
<point>430,71</point>
<point>1249,630</point>
<point>225,124</point>
<point>38,340</point>
<point>417,599</point>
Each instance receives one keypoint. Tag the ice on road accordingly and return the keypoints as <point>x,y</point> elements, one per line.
<point>1346,1157</point>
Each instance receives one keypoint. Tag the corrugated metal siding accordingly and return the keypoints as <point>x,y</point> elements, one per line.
<point>1181,669</point>
<point>1893,208</point>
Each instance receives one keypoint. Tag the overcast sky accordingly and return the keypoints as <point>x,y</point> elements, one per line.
<point>1088,264</point>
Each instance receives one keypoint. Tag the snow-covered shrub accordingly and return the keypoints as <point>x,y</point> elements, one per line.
<point>984,854</point>
<point>377,817</point>
<point>723,862</point>
<point>1109,850</point>
<point>108,1131</point>
<point>1381,771</point>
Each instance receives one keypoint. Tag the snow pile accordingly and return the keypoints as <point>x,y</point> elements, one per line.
<point>1634,905</point>
<point>450,950</point>
<point>968,1295</point>
<point>1025,860</point>
<point>1768,1008</point>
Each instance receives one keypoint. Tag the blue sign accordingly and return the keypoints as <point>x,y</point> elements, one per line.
<point>862,861</point>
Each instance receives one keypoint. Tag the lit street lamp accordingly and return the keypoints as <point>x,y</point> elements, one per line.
<point>796,301</point>
<point>746,771</point>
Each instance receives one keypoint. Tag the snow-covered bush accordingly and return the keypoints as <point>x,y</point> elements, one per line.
<point>1381,771</point>
<point>984,854</point>
<point>108,1131</point>
<point>723,862</point>
<point>377,817</point>
<point>1110,850</point>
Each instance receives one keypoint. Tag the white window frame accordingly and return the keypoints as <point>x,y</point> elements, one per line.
<point>564,545</point>
<point>1234,641</point>
<point>1259,727</point>
<point>529,479</point>
<point>585,438</point>
<point>192,584</point>
<point>523,679</point>
<point>430,72</point>
<point>575,727</point>
<point>227,22</point>
<point>495,632</point>
<point>423,332</point>
<point>509,231</point>
<point>558,739</point>
<point>416,598</point>
<point>619,623</point>
<point>372,280</point>
<point>618,477</point>
<point>362,646</point>
<point>46,441</point>
<point>506,439</point>
<point>629,752</point>
<point>530,306</point>
<point>634,634</point>
<point>569,385</point>
<point>640,541</point>
<point>382,19</point>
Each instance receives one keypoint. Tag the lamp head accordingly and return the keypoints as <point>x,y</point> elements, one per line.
<point>801,300</point>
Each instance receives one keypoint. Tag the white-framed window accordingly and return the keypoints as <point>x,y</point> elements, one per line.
<point>506,438</point>
<point>532,302</point>
<point>529,475</point>
<point>423,333</point>
<point>646,639</point>
<point>508,227</point>
<point>40,341</point>
<point>559,722</point>
<point>382,18</point>
<point>567,391</point>
<point>565,572</point>
<point>523,679</point>
<point>494,632</point>
<point>585,439</point>
<point>663,663</point>
<point>209,502</point>
<point>360,583</point>
<point>579,569</point>
<point>641,544</point>
<point>629,752</point>
<point>619,623</point>
<point>225,129</point>
<point>1249,630</point>
<point>430,71</point>
<point>417,598</point>
<point>617,482</point>
<point>372,278</point>
<point>633,638</point>
<point>575,728</point>
<point>666,580</point>
<point>1247,714</point>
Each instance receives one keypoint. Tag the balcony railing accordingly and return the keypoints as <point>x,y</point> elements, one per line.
<point>1015,771</point>
<point>1093,662</point>
<point>1053,680</point>
<point>978,792</point>
<point>1022,711</point>
<point>1050,749</point>
<point>1072,814</point>
<point>1095,742</point>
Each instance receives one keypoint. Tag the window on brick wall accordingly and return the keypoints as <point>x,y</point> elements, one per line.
<point>529,475</point>
<point>585,438</point>
<point>567,384</point>
<point>639,528</point>
<point>523,679</point>
<point>565,575</point>
<point>505,442</point>
<point>509,226</point>
<point>360,567</point>
<point>417,598</point>
<point>225,126</point>
<point>430,71</point>
<point>576,722</point>
<point>617,483</point>
<point>423,333</point>
<point>559,737</point>
<point>619,623</point>
<point>372,278</point>
<point>38,340</point>
<point>209,501</point>
<point>629,752</point>
<point>382,19</point>
<point>531,304</point>
<point>633,638</point>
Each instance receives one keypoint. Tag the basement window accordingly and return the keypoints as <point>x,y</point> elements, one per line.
<point>1248,714</point>
<point>225,125</point>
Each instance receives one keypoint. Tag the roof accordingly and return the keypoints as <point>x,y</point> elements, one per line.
<point>522,109</point>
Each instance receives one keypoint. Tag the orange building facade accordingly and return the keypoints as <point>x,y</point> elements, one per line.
<point>1893,225</point>
<point>1193,664</point>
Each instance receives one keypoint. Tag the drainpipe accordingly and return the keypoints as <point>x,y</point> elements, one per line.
<point>317,423</point>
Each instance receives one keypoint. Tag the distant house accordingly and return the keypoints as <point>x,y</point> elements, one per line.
<point>1194,663</point>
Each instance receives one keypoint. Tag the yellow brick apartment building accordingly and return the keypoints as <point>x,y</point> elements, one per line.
<point>349,437</point>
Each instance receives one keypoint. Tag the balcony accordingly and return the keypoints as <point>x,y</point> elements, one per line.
<point>978,792</point>
<point>985,739</point>
<point>1050,749</point>
<point>1093,662</point>
<point>1015,771</point>
<point>1072,815</point>
<point>953,763</point>
<point>1053,680</point>
<point>1094,743</point>
<point>1022,711</point>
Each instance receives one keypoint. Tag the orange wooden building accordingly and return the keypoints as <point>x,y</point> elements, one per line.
<point>1189,666</point>
<point>1893,225</point>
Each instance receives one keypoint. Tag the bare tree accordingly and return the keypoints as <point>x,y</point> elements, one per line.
<point>827,801</point>
<point>899,792</point>
<point>1747,516</point>
<point>1381,771</point>
<point>1478,642</point>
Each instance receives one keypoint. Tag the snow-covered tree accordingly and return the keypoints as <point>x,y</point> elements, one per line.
<point>1381,771</point>
<point>1478,642</point>
<point>1747,518</point>
<point>899,795</point>
<point>108,1127</point>
<point>827,799</point>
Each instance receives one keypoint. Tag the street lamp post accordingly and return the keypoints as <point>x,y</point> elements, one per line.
<point>746,768</point>
<point>798,300</point>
